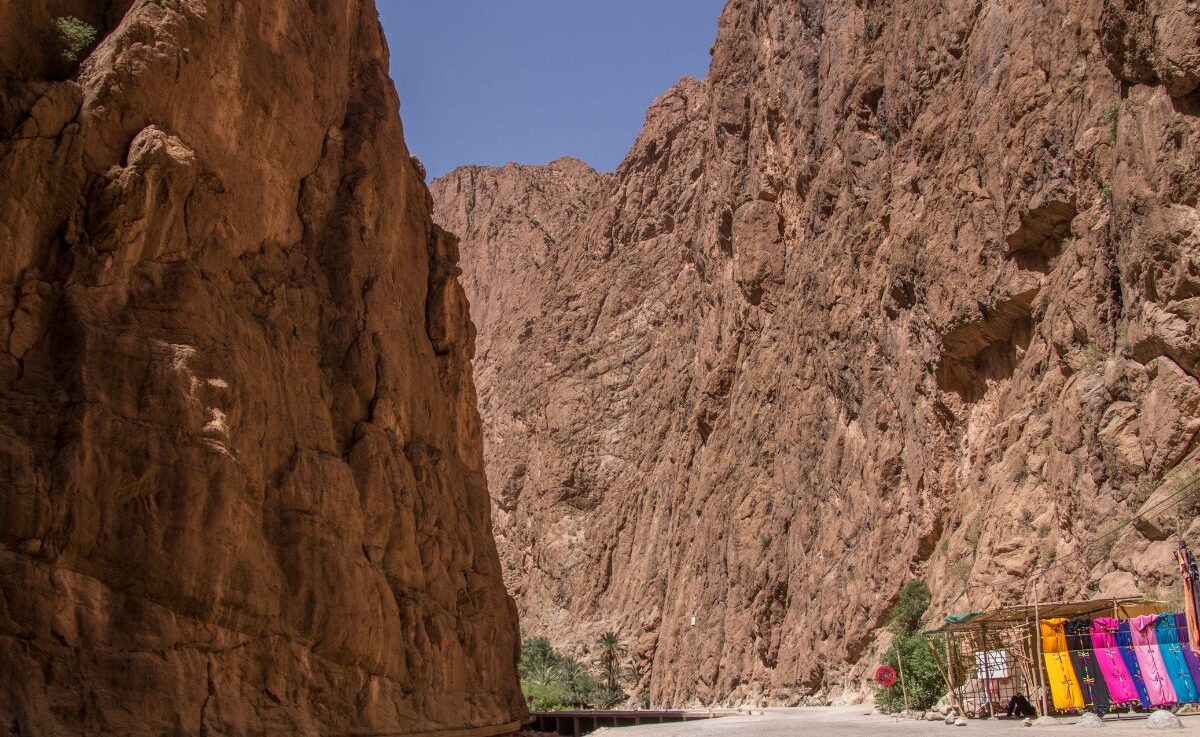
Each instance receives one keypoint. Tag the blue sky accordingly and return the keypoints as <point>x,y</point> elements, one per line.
<point>493,81</point>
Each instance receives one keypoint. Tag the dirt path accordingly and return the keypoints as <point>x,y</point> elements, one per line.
<point>853,721</point>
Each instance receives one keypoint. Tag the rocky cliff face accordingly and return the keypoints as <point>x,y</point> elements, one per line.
<point>240,457</point>
<point>898,289</point>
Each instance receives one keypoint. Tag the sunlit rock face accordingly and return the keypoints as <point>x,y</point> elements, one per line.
<point>241,480</point>
<point>899,289</point>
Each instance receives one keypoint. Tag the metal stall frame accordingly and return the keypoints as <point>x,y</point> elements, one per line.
<point>981,688</point>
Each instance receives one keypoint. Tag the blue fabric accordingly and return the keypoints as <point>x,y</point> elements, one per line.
<point>1125,646</point>
<point>1172,652</point>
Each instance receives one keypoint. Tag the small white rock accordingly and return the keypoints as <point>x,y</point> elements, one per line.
<point>1045,722</point>
<point>1088,720</point>
<point>1027,722</point>
<point>960,722</point>
<point>950,718</point>
<point>1163,719</point>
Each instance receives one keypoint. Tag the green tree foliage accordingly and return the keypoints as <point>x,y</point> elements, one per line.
<point>612,652</point>
<point>921,675</point>
<point>582,688</point>
<point>911,603</point>
<point>74,36</point>
<point>554,681</point>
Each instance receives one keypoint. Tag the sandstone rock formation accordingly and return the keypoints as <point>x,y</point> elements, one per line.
<point>240,459</point>
<point>900,288</point>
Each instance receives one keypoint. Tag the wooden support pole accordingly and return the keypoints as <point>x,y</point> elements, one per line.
<point>1041,665</point>
<point>945,673</point>
<point>900,667</point>
<point>955,692</point>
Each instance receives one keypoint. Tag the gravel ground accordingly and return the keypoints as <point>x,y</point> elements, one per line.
<point>854,721</point>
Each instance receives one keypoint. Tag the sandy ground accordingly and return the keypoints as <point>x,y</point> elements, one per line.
<point>854,721</point>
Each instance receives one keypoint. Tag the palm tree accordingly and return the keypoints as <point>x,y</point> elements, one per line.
<point>612,652</point>
<point>580,685</point>
<point>544,672</point>
<point>537,656</point>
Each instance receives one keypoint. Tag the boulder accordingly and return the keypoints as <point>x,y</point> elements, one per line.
<point>1163,719</point>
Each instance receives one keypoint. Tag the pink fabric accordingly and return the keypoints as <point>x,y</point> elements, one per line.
<point>1150,660</point>
<point>1112,665</point>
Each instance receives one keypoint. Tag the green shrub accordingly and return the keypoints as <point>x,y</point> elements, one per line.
<point>1111,114</point>
<point>905,615</point>
<point>74,36</point>
<point>546,696</point>
<point>555,681</point>
<point>921,675</point>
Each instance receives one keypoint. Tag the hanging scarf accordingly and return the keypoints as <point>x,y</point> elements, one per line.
<point>1172,652</point>
<point>1191,591</point>
<point>1087,667</point>
<point>1125,645</point>
<point>1112,665</point>
<point>1150,658</point>
<point>1064,685</point>
<point>1189,653</point>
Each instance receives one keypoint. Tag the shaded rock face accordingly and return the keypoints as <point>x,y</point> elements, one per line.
<point>240,454</point>
<point>899,289</point>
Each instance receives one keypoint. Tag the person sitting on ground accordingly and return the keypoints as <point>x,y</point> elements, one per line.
<point>1019,706</point>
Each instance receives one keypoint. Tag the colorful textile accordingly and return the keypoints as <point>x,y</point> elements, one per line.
<point>1087,669</point>
<point>1112,665</point>
<point>1125,645</point>
<point>1172,653</point>
<point>1065,691</point>
<point>1191,592</point>
<point>1189,653</point>
<point>1150,660</point>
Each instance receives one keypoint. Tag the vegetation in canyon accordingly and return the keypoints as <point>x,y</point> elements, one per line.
<point>74,36</point>
<point>911,650</point>
<point>552,680</point>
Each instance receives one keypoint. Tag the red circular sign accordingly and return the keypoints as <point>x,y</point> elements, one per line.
<point>885,676</point>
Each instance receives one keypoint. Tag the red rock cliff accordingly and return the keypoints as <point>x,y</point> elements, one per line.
<point>900,288</point>
<point>240,459</point>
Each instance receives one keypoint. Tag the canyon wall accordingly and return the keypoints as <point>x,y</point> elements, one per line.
<point>240,455</point>
<point>899,289</point>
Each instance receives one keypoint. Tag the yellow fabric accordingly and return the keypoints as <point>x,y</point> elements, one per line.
<point>1064,685</point>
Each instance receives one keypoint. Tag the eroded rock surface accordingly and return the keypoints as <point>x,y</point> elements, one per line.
<point>898,289</point>
<point>240,457</point>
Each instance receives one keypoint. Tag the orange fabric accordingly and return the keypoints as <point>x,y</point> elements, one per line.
<point>1064,685</point>
<point>1187,566</point>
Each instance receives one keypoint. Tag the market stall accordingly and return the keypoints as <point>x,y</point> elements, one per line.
<point>1096,655</point>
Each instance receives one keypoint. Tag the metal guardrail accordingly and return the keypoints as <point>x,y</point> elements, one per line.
<point>579,723</point>
<point>495,730</point>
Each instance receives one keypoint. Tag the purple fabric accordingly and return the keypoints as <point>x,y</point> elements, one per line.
<point>1189,654</point>
<point>1125,645</point>
<point>1150,659</point>
<point>1112,665</point>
